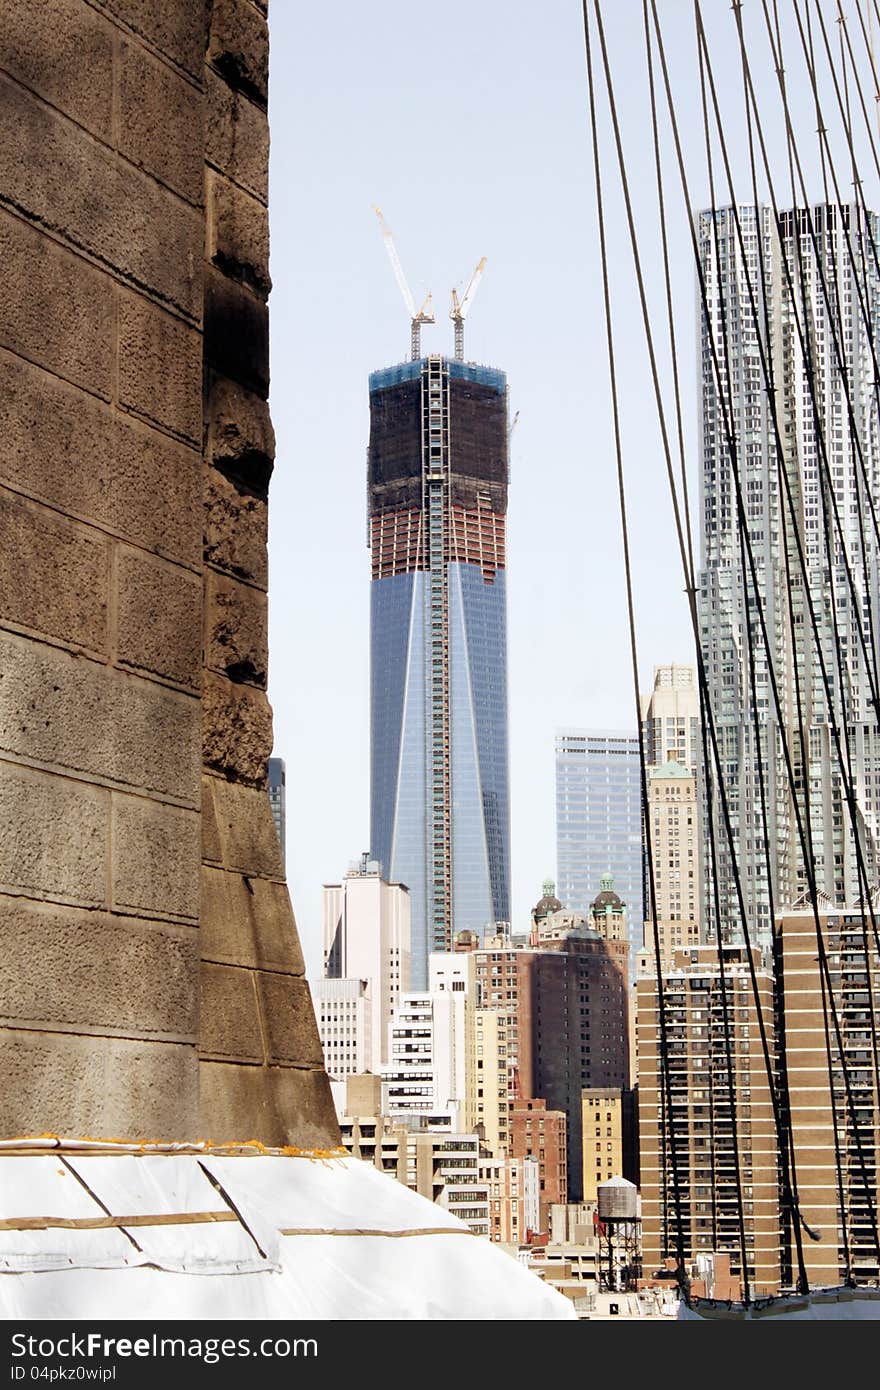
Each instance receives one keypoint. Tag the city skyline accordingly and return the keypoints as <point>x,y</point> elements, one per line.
<point>565,572</point>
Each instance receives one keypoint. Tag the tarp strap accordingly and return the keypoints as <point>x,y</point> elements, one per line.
<point>362,1231</point>
<point>103,1223</point>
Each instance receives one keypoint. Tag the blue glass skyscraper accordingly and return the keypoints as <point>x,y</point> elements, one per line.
<point>599,821</point>
<point>437,485</point>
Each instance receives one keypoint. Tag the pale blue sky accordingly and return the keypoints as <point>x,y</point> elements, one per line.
<point>468,126</point>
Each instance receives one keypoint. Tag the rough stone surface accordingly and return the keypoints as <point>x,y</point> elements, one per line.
<point>132,561</point>
<point>97,972</point>
<point>160,121</point>
<point>53,836</point>
<point>66,711</point>
<point>156,854</point>
<point>236,331</point>
<point>245,828</point>
<point>69,450</point>
<point>289,1020</point>
<point>57,310</point>
<point>238,234</point>
<point>159,615</point>
<point>63,179</point>
<point>248,921</point>
<point>160,366</point>
<point>75,75</point>
<point>230,1024</point>
<point>290,1105</point>
<point>99,1087</point>
<point>237,136</point>
<point>239,47</point>
<point>212,849</point>
<point>236,639</point>
<point>41,552</point>
<point>236,730</point>
<point>235,530</point>
<point>240,438</point>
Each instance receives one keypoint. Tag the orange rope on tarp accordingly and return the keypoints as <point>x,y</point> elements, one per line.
<point>26,1144</point>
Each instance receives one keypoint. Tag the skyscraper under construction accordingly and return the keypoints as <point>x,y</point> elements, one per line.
<point>437,497</point>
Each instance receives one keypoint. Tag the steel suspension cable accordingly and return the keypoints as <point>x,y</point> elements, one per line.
<point>621,487</point>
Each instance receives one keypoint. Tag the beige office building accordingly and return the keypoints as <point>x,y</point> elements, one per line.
<point>671,717</point>
<point>603,1122</point>
<point>489,1082</point>
<point>819,1106</point>
<point>675,846</point>
<point>700,1127</point>
<point>366,934</point>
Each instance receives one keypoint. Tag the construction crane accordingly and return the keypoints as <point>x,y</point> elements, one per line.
<point>417,316</point>
<point>459,309</point>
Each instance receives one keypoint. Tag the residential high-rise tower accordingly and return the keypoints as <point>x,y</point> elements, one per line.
<point>807,460</point>
<point>437,498</point>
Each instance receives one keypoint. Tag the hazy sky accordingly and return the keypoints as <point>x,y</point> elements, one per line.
<point>468,125</point>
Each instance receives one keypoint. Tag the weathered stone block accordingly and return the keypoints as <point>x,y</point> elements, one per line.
<point>65,564</point>
<point>235,529</point>
<point>304,1101</point>
<point>57,310</point>
<point>134,732</point>
<point>67,449</point>
<point>239,47</point>
<point>161,119</point>
<point>160,366</point>
<point>58,175</point>
<point>236,331</point>
<point>248,921</point>
<point>177,30</point>
<point>236,639</point>
<point>240,438</point>
<point>236,136</point>
<point>212,850</point>
<point>159,618</point>
<point>156,857</point>
<point>236,730</point>
<point>248,838</point>
<point>97,971</point>
<point>97,1087</point>
<point>279,1105</point>
<point>64,51</point>
<point>53,837</point>
<point>229,1024</point>
<point>289,1020</point>
<point>237,234</point>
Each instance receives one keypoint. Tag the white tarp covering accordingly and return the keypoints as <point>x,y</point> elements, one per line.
<point>273,1236</point>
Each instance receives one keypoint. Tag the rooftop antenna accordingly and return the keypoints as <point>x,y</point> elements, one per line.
<point>417,316</point>
<point>459,309</point>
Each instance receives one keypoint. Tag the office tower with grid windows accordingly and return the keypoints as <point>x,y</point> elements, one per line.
<point>437,502</point>
<point>599,822</point>
<point>808,488</point>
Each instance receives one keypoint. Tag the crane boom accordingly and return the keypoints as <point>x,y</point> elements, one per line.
<point>417,316</point>
<point>460,307</point>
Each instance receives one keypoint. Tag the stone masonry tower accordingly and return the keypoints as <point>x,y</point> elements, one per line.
<point>151,981</point>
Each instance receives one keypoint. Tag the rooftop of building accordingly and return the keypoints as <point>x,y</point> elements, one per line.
<point>671,768</point>
<point>458,371</point>
<point>606,897</point>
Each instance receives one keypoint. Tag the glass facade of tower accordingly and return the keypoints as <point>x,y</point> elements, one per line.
<point>804,492</point>
<point>440,814</point>
<point>599,822</point>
